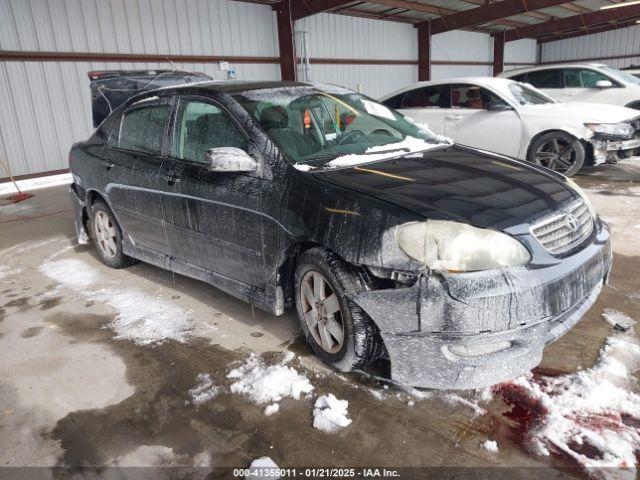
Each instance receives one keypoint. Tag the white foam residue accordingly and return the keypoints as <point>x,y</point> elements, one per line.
<point>263,467</point>
<point>265,384</point>
<point>141,318</point>
<point>6,271</point>
<point>490,446</point>
<point>616,317</point>
<point>302,167</point>
<point>592,416</point>
<point>381,152</point>
<point>330,414</point>
<point>271,409</point>
<point>204,390</point>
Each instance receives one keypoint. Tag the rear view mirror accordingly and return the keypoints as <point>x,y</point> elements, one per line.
<point>604,84</point>
<point>230,159</point>
<point>496,107</point>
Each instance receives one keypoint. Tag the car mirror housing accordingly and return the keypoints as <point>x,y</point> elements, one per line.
<point>496,107</point>
<point>604,84</point>
<point>230,159</point>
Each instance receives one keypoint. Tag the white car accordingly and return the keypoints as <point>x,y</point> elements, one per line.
<point>517,120</point>
<point>633,70</point>
<point>588,82</point>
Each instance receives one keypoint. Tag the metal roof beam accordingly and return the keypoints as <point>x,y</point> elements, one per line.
<point>304,8</point>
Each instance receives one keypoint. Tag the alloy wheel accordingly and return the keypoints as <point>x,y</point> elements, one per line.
<point>322,312</point>
<point>105,232</point>
<point>556,154</point>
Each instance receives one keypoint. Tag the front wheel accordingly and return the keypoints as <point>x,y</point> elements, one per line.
<point>339,332</point>
<point>558,151</point>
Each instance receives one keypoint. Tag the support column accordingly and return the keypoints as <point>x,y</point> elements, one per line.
<point>498,53</point>
<point>424,51</point>
<point>286,41</point>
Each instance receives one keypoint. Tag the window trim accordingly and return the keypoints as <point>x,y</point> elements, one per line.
<point>151,100</point>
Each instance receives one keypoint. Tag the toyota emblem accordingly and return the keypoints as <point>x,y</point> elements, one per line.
<point>572,222</point>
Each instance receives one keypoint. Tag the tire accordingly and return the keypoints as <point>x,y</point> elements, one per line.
<point>107,236</point>
<point>558,151</point>
<point>361,341</point>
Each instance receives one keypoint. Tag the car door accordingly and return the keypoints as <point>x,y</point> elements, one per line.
<point>426,105</point>
<point>548,80</point>
<point>469,122</point>
<point>133,157</point>
<point>214,218</point>
<point>580,86</point>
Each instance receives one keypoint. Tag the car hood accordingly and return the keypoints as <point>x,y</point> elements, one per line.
<point>581,112</point>
<point>461,184</point>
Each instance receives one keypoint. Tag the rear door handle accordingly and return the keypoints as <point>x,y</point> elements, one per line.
<point>453,117</point>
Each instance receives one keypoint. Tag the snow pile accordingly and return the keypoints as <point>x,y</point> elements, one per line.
<point>271,409</point>
<point>262,468</point>
<point>265,384</point>
<point>141,318</point>
<point>204,390</point>
<point>330,414</point>
<point>381,152</point>
<point>589,416</point>
<point>490,446</point>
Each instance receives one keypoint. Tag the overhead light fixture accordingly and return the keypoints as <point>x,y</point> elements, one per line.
<point>619,5</point>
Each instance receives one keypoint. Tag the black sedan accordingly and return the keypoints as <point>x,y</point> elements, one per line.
<point>457,265</point>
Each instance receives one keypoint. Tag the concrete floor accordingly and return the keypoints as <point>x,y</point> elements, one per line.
<point>73,395</point>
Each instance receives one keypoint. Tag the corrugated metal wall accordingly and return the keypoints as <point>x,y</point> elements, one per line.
<point>624,41</point>
<point>46,105</point>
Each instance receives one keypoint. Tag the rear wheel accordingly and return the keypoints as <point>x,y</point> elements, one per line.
<point>558,151</point>
<point>339,332</point>
<point>107,236</point>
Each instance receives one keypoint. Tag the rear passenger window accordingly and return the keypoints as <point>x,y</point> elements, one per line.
<point>437,96</point>
<point>141,129</point>
<point>201,126</point>
<point>545,78</point>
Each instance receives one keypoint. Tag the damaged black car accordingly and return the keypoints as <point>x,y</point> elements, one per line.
<point>457,265</point>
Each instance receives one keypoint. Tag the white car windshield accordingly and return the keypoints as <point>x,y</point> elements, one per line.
<point>620,75</point>
<point>314,126</point>
<point>526,95</point>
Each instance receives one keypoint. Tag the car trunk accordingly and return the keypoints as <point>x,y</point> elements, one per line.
<point>109,89</point>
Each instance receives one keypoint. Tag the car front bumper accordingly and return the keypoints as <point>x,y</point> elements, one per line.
<point>602,149</point>
<point>471,330</point>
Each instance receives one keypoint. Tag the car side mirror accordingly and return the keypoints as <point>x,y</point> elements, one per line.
<point>496,107</point>
<point>229,159</point>
<point>604,84</point>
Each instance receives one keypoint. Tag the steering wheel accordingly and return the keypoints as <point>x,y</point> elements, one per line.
<point>350,137</point>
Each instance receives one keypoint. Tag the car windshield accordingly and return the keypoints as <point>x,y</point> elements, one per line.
<point>526,95</point>
<point>333,126</point>
<point>620,75</point>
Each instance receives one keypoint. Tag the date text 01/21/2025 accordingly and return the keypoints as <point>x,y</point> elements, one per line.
<point>270,472</point>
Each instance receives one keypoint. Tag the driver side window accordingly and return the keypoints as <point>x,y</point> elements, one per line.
<point>472,97</point>
<point>201,126</point>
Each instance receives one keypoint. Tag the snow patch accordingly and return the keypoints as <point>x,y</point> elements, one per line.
<point>271,409</point>
<point>265,384</point>
<point>141,318</point>
<point>590,416</point>
<point>330,414</point>
<point>204,390</point>
<point>381,152</point>
<point>263,467</point>
<point>6,271</point>
<point>149,456</point>
<point>302,167</point>
<point>490,446</point>
<point>618,319</point>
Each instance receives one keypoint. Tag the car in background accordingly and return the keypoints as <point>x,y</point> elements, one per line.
<point>459,266</point>
<point>633,70</point>
<point>516,120</point>
<point>588,82</point>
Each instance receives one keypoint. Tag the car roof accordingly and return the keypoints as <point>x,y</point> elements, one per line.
<point>230,86</point>
<point>550,66</point>
<point>487,81</point>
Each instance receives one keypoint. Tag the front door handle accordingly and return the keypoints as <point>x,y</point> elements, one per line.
<point>454,117</point>
<point>109,166</point>
<point>171,180</point>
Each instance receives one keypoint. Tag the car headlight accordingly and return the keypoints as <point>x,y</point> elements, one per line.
<point>612,129</point>
<point>453,246</point>
<point>583,195</point>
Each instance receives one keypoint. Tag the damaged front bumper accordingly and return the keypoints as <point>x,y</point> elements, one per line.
<point>471,330</point>
<point>604,150</point>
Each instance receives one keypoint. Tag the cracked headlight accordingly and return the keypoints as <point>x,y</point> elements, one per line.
<point>619,130</point>
<point>453,246</point>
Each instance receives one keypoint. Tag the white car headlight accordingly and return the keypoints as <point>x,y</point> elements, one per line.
<point>614,129</point>
<point>583,195</point>
<point>453,246</point>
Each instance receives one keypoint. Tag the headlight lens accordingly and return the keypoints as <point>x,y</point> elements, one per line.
<point>613,129</point>
<point>453,246</point>
<point>583,195</point>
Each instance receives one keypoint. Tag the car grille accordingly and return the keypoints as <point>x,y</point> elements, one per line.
<point>564,231</point>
